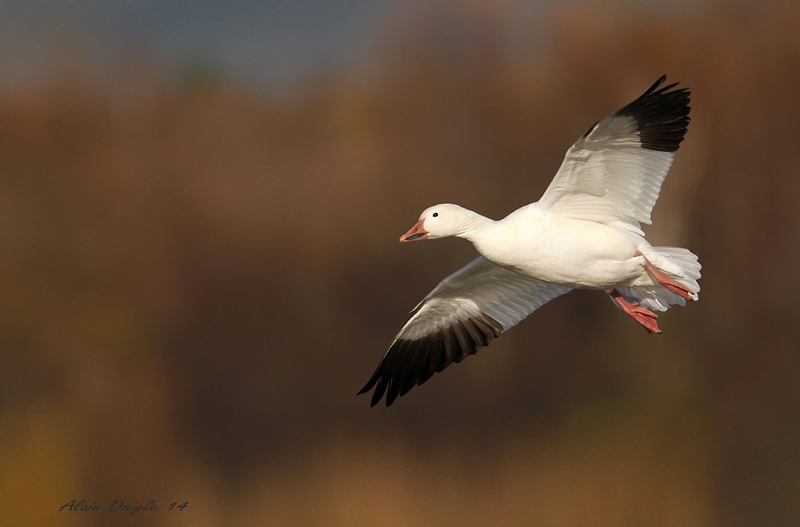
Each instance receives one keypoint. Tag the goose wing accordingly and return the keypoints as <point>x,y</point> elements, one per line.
<point>461,315</point>
<point>613,174</point>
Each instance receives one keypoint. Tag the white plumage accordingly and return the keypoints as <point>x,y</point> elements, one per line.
<point>583,233</point>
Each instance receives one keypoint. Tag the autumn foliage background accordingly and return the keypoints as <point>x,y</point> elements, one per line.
<point>197,275</point>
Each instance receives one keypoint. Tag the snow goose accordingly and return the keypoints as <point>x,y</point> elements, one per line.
<point>583,233</point>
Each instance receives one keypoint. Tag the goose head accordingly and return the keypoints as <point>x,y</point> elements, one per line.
<point>439,221</point>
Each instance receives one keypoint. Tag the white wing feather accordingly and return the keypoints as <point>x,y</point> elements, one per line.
<point>613,174</point>
<point>607,176</point>
<point>479,288</point>
<point>462,314</point>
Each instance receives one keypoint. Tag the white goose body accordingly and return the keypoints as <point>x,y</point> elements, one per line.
<point>584,233</point>
<point>576,253</point>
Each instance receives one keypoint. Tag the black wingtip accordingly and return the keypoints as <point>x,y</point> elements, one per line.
<point>655,85</point>
<point>410,363</point>
<point>370,383</point>
<point>662,115</point>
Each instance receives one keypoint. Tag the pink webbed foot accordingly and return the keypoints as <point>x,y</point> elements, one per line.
<point>640,314</point>
<point>664,279</point>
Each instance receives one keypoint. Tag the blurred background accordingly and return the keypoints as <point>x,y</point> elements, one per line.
<point>199,211</point>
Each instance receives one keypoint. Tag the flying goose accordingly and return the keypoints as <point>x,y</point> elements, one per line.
<point>584,233</point>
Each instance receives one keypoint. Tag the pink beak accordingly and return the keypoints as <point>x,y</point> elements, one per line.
<point>417,232</point>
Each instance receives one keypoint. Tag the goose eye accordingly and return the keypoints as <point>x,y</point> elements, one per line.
<point>435,214</point>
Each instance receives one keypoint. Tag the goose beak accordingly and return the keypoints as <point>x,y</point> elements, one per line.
<point>417,232</point>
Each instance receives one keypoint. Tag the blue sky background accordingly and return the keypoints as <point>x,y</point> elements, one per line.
<point>271,44</point>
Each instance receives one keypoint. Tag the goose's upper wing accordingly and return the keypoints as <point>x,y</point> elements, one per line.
<point>462,314</point>
<point>614,172</point>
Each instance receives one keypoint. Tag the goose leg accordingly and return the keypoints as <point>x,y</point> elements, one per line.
<point>664,279</point>
<point>640,314</point>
